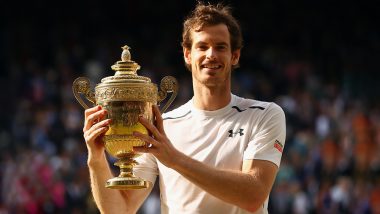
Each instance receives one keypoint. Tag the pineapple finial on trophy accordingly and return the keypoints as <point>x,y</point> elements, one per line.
<point>126,66</point>
<point>125,55</point>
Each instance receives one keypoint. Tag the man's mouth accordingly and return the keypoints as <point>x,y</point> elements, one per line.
<point>211,66</point>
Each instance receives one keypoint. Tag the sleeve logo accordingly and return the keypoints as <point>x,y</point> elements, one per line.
<point>278,146</point>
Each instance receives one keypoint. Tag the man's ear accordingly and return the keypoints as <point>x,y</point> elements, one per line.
<point>187,56</point>
<point>235,57</point>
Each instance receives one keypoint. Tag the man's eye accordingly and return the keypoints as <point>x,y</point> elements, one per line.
<point>221,47</point>
<point>202,47</point>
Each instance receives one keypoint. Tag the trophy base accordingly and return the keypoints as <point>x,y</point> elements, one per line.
<point>126,183</point>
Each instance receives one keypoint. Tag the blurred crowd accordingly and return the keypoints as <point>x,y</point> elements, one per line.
<point>320,65</point>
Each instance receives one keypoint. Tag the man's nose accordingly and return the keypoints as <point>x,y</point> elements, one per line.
<point>211,54</point>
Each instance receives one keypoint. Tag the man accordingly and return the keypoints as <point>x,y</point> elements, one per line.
<point>218,153</point>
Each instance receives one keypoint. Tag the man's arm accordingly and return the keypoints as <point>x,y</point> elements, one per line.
<point>112,200</point>
<point>107,200</point>
<point>247,188</point>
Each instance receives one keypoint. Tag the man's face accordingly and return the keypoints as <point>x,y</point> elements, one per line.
<point>210,57</point>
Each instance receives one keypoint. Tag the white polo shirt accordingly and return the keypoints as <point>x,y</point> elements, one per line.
<point>243,130</point>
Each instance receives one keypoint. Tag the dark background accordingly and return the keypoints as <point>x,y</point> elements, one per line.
<point>319,60</point>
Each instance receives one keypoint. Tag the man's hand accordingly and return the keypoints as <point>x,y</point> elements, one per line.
<point>94,127</point>
<point>158,143</point>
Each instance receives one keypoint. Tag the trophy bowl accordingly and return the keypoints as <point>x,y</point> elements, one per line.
<point>126,96</point>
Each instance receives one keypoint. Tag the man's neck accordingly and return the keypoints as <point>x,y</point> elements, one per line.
<point>210,99</point>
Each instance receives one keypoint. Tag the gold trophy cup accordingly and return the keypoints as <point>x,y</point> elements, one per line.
<point>125,96</point>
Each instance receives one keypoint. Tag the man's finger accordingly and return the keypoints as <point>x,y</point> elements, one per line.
<point>92,118</point>
<point>147,139</point>
<point>96,133</point>
<point>92,110</point>
<point>141,149</point>
<point>101,124</point>
<point>159,120</point>
<point>151,128</point>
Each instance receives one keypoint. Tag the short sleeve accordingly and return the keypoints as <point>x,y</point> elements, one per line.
<point>147,167</point>
<point>268,141</point>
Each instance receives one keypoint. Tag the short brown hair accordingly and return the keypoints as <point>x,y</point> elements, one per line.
<point>209,15</point>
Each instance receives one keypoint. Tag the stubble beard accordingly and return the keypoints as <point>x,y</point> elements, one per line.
<point>212,82</point>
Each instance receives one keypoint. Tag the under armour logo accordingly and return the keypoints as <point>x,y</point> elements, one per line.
<point>233,134</point>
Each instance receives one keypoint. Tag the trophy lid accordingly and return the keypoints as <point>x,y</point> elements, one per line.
<point>126,71</point>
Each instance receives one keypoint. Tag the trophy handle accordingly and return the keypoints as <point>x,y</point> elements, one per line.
<point>81,85</point>
<point>168,84</point>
